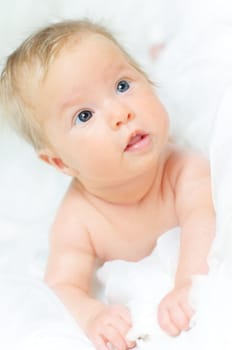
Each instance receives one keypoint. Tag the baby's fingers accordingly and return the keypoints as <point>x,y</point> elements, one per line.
<point>123,327</point>
<point>179,318</point>
<point>189,312</point>
<point>99,343</point>
<point>124,313</point>
<point>121,324</point>
<point>166,323</point>
<point>114,337</point>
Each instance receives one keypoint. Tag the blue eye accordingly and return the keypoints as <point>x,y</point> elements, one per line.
<point>83,116</point>
<point>123,86</point>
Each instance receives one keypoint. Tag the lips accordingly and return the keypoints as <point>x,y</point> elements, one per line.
<point>137,140</point>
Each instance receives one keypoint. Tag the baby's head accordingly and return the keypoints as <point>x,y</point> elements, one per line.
<point>65,74</point>
<point>27,66</point>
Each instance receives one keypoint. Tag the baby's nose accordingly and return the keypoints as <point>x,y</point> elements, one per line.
<point>120,115</point>
<point>123,120</point>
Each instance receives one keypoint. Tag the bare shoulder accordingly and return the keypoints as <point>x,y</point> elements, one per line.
<point>69,226</point>
<point>191,181</point>
<point>187,167</point>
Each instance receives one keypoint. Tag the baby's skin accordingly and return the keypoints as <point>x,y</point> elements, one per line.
<point>108,130</point>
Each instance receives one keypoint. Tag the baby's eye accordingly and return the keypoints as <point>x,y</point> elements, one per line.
<point>83,116</point>
<point>123,86</point>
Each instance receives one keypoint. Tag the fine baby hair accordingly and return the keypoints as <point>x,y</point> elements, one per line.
<point>26,68</point>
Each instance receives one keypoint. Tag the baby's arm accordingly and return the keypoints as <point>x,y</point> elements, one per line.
<point>196,216</point>
<point>69,272</point>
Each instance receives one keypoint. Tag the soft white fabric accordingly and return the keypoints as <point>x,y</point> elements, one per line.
<point>194,78</point>
<point>142,285</point>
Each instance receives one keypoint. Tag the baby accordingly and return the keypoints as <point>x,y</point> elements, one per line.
<point>91,112</point>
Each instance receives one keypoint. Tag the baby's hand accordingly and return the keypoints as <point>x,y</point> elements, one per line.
<point>174,313</point>
<point>110,325</point>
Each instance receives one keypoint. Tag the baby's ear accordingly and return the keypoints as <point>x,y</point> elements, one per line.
<point>49,157</point>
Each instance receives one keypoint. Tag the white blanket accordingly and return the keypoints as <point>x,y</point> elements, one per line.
<point>194,75</point>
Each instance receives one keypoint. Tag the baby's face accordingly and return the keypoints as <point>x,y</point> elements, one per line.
<point>103,119</point>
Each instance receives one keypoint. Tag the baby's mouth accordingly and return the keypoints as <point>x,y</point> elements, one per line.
<point>136,141</point>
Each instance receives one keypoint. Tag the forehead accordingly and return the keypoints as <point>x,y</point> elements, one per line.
<point>92,52</point>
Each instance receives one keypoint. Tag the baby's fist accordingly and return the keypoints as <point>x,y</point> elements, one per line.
<point>175,312</point>
<point>110,325</point>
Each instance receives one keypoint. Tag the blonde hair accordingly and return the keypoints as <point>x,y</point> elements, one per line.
<point>37,52</point>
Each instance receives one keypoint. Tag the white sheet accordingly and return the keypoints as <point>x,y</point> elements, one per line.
<point>194,73</point>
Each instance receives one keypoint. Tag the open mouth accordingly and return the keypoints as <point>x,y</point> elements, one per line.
<point>137,141</point>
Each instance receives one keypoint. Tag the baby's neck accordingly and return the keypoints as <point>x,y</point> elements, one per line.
<point>132,192</point>
<point>129,193</point>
